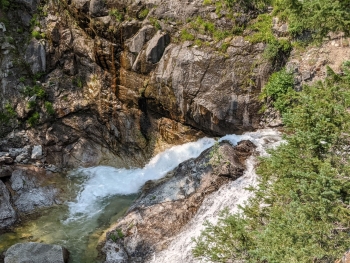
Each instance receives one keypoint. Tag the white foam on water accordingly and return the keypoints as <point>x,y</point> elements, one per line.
<point>229,196</point>
<point>102,182</point>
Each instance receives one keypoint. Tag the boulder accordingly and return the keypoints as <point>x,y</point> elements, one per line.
<point>7,213</point>
<point>97,8</point>
<point>37,152</point>
<point>29,195</point>
<point>36,253</point>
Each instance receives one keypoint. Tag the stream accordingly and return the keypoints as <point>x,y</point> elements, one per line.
<point>100,195</point>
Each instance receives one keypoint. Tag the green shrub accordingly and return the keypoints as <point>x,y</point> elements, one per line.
<point>31,104</point>
<point>198,42</point>
<point>304,187</point>
<point>120,233</point>
<point>34,119</point>
<point>280,90</point>
<point>207,2</point>
<point>117,15</point>
<point>223,48</point>
<point>36,34</point>
<point>262,30</point>
<point>143,13</point>
<point>155,23</point>
<point>7,114</point>
<point>49,108</point>
<point>317,17</point>
<point>186,36</point>
<point>4,4</point>
<point>35,90</point>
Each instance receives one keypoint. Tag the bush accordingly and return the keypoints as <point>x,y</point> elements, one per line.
<point>38,35</point>
<point>143,13</point>
<point>36,90</point>
<point>7,114</point>
<point>4,4</point>
<point>34,119</point>
<point>304,187</point>
<point>280,90</point>
<point>117,15</point>
<point>185,35</point>
<point>318,17</point>
<point>49,108</point>
<point>155,23</point>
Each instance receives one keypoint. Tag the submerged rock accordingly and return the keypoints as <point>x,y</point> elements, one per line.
<point>166,205</point>
<point>36,252</point>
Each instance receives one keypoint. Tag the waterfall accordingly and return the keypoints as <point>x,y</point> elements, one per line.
<point>228,196</point>
<point>101,182</point>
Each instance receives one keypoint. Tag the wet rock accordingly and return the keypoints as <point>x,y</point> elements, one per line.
<point>166,205</point>
<point>7,213</point>
<point>36,252</point>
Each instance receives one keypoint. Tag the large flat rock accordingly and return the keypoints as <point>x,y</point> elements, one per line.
<point>36,253</point>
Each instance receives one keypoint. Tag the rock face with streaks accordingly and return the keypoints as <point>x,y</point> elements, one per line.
<point>109,82</point>
<point>166,205</point>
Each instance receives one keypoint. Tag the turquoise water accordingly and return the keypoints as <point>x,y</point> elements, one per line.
<point>79,236</point>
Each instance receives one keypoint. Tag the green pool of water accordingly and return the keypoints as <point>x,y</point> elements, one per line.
<point>80,237</point>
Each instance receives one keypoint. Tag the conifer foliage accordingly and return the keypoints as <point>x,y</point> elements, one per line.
<point>300,212</point>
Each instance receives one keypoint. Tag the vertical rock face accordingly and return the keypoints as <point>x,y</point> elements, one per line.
<point>35,56</point>
<point>8,215</point>
<point>105,76</point>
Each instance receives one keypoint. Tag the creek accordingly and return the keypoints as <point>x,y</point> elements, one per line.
<point>100,195</point>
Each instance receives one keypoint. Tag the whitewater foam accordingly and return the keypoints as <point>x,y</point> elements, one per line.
<point>229,196</point>
<point>101,182</point>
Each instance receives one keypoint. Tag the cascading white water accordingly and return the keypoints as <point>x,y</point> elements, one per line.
<point>228,196</point>
<point>102,181</point>
<point>99,199</point>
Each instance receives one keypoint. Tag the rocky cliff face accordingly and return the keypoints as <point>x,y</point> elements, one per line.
<point>110,82</point>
